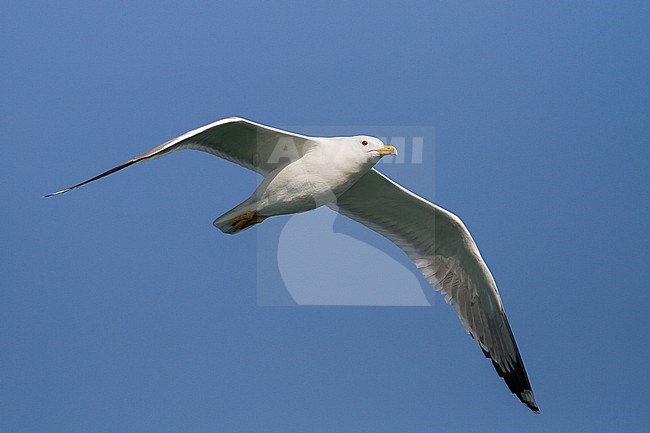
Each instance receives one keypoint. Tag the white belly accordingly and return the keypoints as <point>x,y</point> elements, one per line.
<point>299,187</point>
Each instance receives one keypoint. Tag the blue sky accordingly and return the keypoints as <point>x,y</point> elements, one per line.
<point>123,310</point>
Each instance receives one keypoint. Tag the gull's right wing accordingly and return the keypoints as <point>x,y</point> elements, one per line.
<point>254,146</point>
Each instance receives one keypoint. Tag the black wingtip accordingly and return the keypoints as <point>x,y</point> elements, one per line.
<point>528,399</point>
<point>517,381</point>
<point>99,176</point>
<point>56,193</point>
<point>516,377</point>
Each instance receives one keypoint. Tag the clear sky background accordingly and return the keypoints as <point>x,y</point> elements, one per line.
<point>123,310</point>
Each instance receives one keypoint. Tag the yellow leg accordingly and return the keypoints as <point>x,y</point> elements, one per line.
<point>245,220</point>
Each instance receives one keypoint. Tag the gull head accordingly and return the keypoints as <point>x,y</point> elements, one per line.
<point>369,149</point>
<point>350,154</point>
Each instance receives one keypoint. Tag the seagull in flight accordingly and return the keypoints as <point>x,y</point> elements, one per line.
<point>302,173</point>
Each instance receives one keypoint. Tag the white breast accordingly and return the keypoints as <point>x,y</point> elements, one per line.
<point>317,178</point>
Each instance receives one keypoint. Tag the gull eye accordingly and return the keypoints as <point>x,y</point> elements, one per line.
<point>364,142</point>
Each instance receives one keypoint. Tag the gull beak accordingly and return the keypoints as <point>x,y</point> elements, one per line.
<point>387,150</point>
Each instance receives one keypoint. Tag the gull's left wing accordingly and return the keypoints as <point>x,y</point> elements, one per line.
<point>443,250</point>
<point>252,145</point>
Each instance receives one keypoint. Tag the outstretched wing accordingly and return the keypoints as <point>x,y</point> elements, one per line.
<point>257,147</point>
<point>443,250</point>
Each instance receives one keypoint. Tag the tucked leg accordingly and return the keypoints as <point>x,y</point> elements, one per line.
<point>245,220</point>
